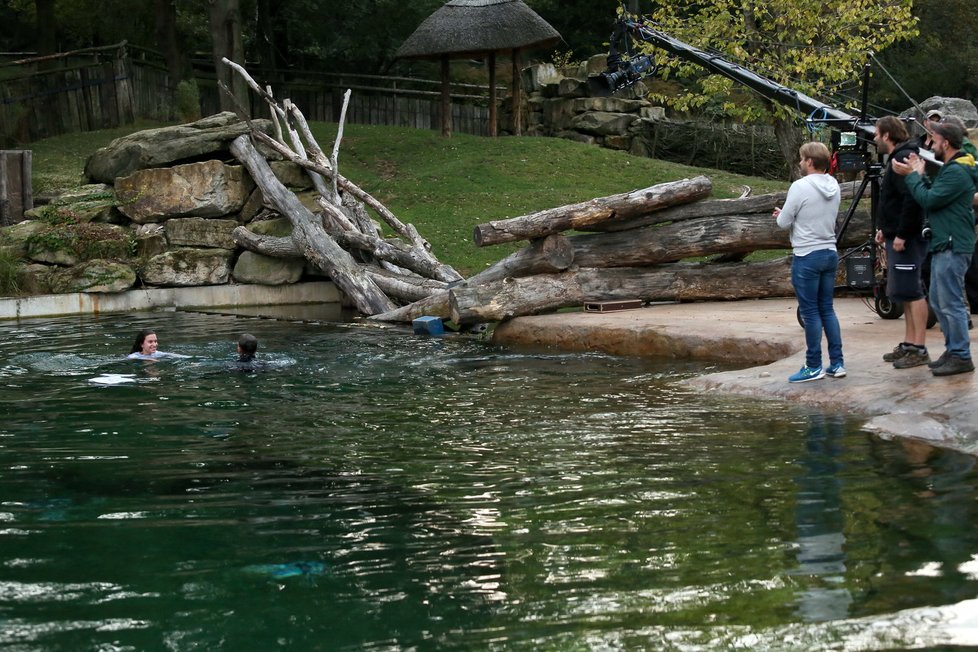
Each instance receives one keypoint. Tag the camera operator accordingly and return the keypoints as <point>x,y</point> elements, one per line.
<point>947,199</point>
<point>901,221</point>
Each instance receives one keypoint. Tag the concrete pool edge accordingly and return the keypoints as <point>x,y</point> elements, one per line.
<point>56,305</point>
<point>764,335</point>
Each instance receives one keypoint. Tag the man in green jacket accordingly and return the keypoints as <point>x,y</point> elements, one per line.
<point>947,200</point>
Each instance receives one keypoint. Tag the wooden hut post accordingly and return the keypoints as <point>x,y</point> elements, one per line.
<point>493,120</point>
<point>517,94</point>
<point>446,99</point>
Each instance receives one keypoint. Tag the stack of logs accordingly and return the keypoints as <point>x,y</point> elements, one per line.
<point>628,247</point>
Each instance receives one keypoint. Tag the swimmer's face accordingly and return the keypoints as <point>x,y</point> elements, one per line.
<point>150,344</point>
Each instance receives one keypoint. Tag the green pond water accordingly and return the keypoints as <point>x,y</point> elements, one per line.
<point>369,489</point>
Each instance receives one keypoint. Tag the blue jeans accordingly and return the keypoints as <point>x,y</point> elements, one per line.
<point>947,271</point>
<point>813,277</point>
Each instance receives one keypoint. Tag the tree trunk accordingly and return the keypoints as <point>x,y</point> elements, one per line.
<point>225,25</point>
<point>313,242</point>
<point>167,41</point>
<point>655,245</point>
<point>47,30</point>
<point>434,306</point>
<point>544,256</point>
<point>790,139</point>
<point>601,210</point>
<point>515,297</point>
<point>707,208</point>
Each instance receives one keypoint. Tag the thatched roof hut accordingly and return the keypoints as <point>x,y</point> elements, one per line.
<point>478,29</point>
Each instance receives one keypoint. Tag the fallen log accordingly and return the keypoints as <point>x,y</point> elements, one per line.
<point>706,208</point>
<point>655,245</point>
<point>514,297</point>
<point>695,210</point>
<point>548,255</point>
<point>405,287</point>
<point>436,305</point>
<point>311,238</point>
<point>602,209</point>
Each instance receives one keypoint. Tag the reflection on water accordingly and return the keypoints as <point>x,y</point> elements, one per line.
<point>371,489</point>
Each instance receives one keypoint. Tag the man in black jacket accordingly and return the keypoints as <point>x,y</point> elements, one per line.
<point>900,222</point>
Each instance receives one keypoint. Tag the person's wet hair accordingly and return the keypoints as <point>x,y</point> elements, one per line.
<point>137,346</point>
<point>248,344</point>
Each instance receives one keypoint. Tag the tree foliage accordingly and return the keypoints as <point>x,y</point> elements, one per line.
<point>818,48</point>
<point>936,62</point>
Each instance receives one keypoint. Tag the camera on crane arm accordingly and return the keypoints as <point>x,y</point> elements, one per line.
<point>851,155</point>
<point>621,73</point>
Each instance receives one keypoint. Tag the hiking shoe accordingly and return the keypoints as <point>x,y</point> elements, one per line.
<point>914,358</point>
<point>836,371</point>
<point>898,352</point>
<point>954,365</point>
<point>940,361</point>
<point>807,373</point>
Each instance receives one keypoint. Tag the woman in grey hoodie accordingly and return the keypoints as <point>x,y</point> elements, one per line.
<point>810,211</point>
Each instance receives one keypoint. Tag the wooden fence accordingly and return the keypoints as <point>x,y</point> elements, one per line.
<point>107,87</point>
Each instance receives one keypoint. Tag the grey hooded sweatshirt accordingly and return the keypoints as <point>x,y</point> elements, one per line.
<point>810,211</point>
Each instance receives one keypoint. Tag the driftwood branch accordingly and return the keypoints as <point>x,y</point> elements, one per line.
<point>311,238</point>
<point>514,297</point>
<point>603,209</point>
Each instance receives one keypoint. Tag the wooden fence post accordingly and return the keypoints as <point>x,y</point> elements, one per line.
<point>16,195</point>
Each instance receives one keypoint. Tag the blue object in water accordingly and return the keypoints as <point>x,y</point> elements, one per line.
<point>295,569</point>
<point>428,326</point>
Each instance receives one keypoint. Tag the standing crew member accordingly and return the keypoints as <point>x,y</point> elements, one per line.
<point>947,200</point>
<point>810,211</point>
<point>901,221</point>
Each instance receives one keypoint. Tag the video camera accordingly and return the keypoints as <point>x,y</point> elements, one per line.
<point>620,74</point>
<point>850,155</point>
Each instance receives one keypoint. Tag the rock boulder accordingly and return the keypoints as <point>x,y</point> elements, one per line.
<point>207,189</point>
<point>152,148</point>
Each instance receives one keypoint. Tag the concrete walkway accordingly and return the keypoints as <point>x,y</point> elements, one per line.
<point>765,336</point>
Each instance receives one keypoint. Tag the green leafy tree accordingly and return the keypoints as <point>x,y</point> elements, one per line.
<point>818,48</point>
<point>937,62</point>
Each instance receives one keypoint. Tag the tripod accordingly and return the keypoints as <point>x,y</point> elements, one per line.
<point>885,308</point>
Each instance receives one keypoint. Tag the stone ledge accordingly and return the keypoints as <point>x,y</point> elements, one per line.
<point>52,305</point>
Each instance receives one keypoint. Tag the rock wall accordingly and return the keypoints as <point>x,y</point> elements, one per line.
<point>163,226</point>
<point>559,104</point>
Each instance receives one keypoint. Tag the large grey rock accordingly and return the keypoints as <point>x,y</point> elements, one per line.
<point>13,238</point>
<point>606,105</point>
<point>153,148</point>
<point>955,106</point>
<point>188,267</point>
<point>70,244</point>
<point>280,227</point>
<point>265,270</point>
<point>198,232</point>
<point>603,124</point>
<point>292,175</point>
<point>571,87</point>
<point>535,76</point>
<point>93,276</point>
<point>557,114</point>
<point>35,279</point>
<point>150,240</point>
<point>207,189</point>
<point>95,210</point>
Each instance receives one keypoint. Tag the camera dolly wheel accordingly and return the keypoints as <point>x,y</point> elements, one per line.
<point>887,309</point>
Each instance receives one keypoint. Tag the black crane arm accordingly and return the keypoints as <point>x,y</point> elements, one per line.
<point>624,72</point>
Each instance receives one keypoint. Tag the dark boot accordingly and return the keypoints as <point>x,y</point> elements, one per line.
<point>954,365</point>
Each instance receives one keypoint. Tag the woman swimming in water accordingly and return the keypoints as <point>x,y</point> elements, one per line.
<point>145,347</point>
